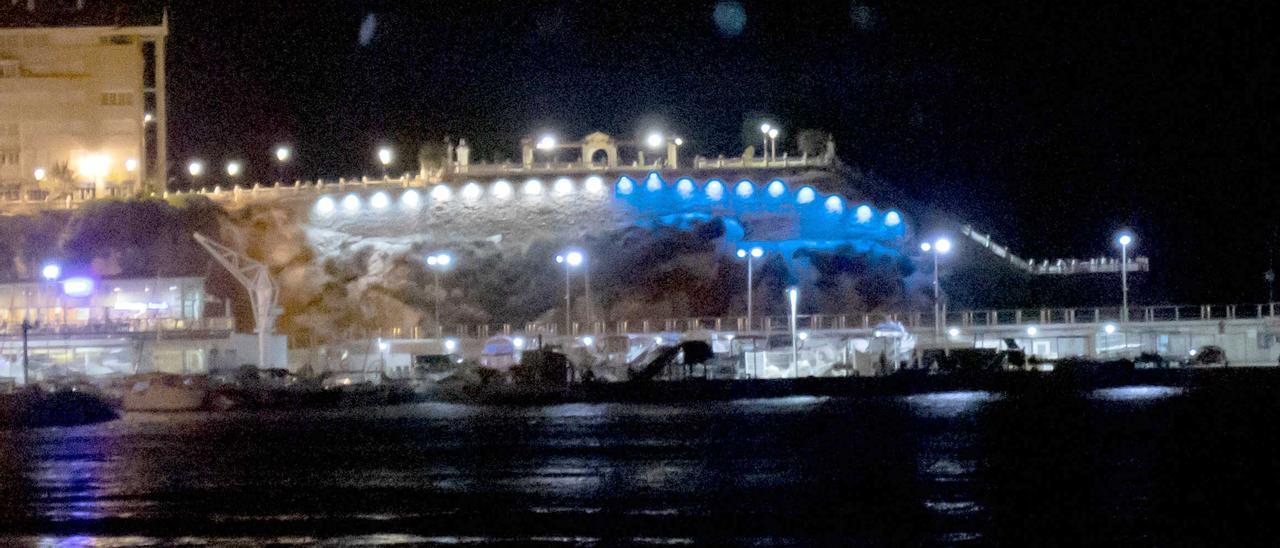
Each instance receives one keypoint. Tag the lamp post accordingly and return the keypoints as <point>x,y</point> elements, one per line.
<point>764,141</point>
<point>196,169</point>
<point>384,158</point>
<point>750,256</point>
<point>793,295</point>
<point>1125,240</point>
<point>773,144</point>
<point>570,260</point>
<point>941,246</point>
<point>282,157</point>
<point>437,263</point>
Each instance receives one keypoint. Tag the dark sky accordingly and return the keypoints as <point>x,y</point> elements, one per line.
<point>1052,125</point>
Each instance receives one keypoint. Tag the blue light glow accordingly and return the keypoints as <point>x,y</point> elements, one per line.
<point>653,183</point>
<point>863,214</point>
<point>806,195</point>
<point>626,186</point>
<point>834,204</point>
<point>685,188</point>
<point>744,189</point>
<point>776,188</point>
<point>892,219</point>
<point>715,190</point>
<point>77,287</point>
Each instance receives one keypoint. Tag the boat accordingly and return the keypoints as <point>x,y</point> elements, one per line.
<point>164,392</point>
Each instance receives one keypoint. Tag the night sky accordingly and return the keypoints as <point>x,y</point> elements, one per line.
<point>1052,126</point>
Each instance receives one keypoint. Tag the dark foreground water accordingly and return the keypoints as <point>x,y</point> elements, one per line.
<point>1137,465</point>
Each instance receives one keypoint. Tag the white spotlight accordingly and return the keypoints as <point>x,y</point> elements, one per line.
<point>594,184</point>
<point>501,189</point>
<point>533,187</point>
<point>379,200</point>
<point>563,186</point>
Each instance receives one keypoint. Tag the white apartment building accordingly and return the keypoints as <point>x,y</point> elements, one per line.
<point>82,102</point>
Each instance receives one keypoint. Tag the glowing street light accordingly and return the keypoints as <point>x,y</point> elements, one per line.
<point>438,262</point>
<point>384,158</point>
<point>40,174</point>
<point>195,168</point>
<point>750,255</point>
<point>654,140</point>
<point>547,142</point>
<point>131,165</point>
<point>571,260</point>
<point>941,246</point>
<point>51,271</point>
<point>234,168</point>
<point>283,154</point>
<point>1124,240</point>
<point>764,141</point>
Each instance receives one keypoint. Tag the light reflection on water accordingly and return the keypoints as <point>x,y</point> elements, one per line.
<point>771,469</point>
<point>950,404</point>
<point>1136,393</point>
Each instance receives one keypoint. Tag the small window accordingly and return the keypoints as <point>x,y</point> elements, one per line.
<point>8,156</point>
<point>116,40</point>
<point>8,69</point>
<point>117,99</point>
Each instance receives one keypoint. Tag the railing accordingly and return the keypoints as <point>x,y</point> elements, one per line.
<point>761,325</point>
<point>114,327</point>
<point>234,192</point>
<point>1056,266</point>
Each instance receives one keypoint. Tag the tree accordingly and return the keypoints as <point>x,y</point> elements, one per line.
<point>812,142</point>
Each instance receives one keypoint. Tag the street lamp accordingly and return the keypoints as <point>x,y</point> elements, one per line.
<point>941,246</point>
<point>764,141</point>
<point>384,158</point>
<point>654,140</point>
<point>437,263</point>
<point>283,154</point>
<point>1124,240</point>
<point>773,144</point>
<point>793,295</point>
<point>570,260</point>
<point>234,168</point>
<point>750,256</point>
<point>51,272</point>
<point>547,142</point>
<point>40,174</point>
<point>195,168</point>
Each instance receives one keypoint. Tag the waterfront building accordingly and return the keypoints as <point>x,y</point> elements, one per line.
<point>82,101</point>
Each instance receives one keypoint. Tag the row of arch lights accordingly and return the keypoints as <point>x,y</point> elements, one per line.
<point>503,190</point>
<point>470,192</point>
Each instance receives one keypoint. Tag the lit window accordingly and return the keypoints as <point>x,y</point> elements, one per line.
<point>117,99</point>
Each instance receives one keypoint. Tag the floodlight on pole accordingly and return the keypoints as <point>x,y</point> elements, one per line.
<point>438,262</point>
<point>1124,240</point>
<point>940,246</point>
<point>764,141</point>
<point>750,255</point>
<point>570,260</point>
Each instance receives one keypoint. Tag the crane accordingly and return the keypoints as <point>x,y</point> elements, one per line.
<point>256,279</point>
